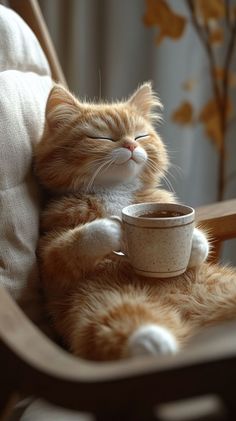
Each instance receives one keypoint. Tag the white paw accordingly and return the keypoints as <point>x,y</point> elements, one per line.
<point>200,248</point>
<point>151,340</point>
<point>103,236</point>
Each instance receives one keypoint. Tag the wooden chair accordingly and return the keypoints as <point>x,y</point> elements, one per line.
<point>31,364</point>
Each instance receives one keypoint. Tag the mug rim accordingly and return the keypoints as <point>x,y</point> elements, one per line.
<point>135,219</point>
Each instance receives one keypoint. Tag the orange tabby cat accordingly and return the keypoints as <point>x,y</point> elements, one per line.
<point>95,159</point>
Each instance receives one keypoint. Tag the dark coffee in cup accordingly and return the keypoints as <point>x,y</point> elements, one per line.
<point>161,214</point>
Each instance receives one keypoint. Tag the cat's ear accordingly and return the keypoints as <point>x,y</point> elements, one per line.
<point>145,100</point>
<point>61,107</point>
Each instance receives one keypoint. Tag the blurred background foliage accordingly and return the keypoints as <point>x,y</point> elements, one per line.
<point>214,22</point>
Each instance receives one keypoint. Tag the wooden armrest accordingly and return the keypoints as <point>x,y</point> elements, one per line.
<point>219,218</point>
<point>35,365</point>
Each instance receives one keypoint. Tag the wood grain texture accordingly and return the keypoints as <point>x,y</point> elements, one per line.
<point>219,218</point>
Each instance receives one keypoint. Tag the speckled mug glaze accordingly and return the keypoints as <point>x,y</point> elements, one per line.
<point>158,247</point>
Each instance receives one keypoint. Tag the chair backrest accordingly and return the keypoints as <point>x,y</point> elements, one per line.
<point>30,11</point>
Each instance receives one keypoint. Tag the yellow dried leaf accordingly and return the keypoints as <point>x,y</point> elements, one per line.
<point>160,14</point>
<point>211,119</point>
<point>210,9</point>
<point>209,110</point>
<point>219,75</point>
<point>183,114</point>
<point>189,85</point>
<point>149,18</point>
<point>213,130</point>
<point>216,36</point>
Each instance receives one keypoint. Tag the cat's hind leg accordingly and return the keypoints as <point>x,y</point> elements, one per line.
<point>211,297</point>
<point>151,339</point>
<point>122,322</point>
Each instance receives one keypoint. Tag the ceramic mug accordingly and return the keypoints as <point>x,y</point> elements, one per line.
<point>158,238</point>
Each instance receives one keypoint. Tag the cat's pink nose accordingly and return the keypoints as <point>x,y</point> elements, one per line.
<point>131,145</point>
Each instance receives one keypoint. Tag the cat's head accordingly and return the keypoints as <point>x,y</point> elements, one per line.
<point>86,145</point>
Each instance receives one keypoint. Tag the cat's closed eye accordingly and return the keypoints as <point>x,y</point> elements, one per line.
<point>101,138</point>
<point>113,140</point>
<point>141,136</point>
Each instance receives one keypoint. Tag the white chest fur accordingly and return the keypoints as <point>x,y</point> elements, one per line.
<point>115,199</point>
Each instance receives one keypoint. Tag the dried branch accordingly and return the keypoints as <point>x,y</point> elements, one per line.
<point>227,13</point>
<point>208,49</point>
<point>215,113</point>
<point>228,59</point>
<point>221,97</point>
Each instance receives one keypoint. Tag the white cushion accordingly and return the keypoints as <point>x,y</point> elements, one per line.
<point>25,82</point>
<point>19,48</point>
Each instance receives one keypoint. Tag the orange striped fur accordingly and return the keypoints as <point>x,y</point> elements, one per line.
<point>97,303</point>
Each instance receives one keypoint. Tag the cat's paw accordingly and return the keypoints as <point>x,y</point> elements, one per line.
<point>200,249</point>
<point>104,236</point>
<point>151,340</point>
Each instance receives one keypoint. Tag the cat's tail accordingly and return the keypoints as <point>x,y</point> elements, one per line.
<point>129,328</point>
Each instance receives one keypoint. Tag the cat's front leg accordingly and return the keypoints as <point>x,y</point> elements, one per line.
<point>200,248</point>
<point>100,237</point>
<point>66,255</point>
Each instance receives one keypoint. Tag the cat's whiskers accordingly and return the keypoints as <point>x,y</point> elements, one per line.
<point>103,167</point>
<point>154,167</point>
<point>95,174</point>
<point>168,183</point>
<point>178,170</point>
